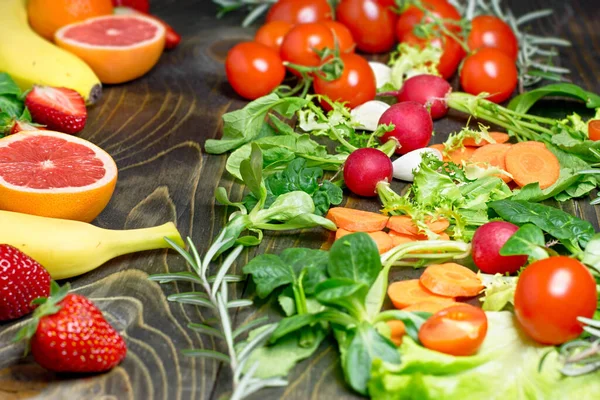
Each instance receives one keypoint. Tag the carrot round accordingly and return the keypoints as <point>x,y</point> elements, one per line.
<point>529,163</point>
<point>456,156</point>
<point>399,238</point>
<point>451,280</point>
<point>404,224</point>
<point>397,331</point>
<point>406,293</point>
<point>357,220</point>
<point>499,137</point>
<point>594,129</point>
<point>429,306</point>
<point>494,155</point>
<point>383,241</point>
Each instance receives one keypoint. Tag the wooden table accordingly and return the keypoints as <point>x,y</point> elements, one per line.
<point>155,128</point>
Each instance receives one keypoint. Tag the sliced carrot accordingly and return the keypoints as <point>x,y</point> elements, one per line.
<point>451,279</point>
<point>534,143</point>
<point>456,156</point>
<point>383,241</point>
<point>404,224</point>
<point>492,154</point>
<point>397,331</point>
<point>499,137</point>
<point>399,238</point>
<point>357,220</point>
<point>406,293</point>
<point>429,306</point>
<point>460,155</point>
<point>529,163</point>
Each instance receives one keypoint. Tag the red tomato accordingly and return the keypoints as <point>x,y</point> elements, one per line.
<point>594,129</point>
<point>299,11</point>
<point>490,31</point>
<point>355,86</point>
<point>271,34</point>
<point>550,295</point>
<point>342,34</point>
<point>413,16</point>
<point>489,70</point>
<point>457,330</point>
<point>452,52</point>
<point>299,44</point>
<point>372,24</point>
<point>253,69</point>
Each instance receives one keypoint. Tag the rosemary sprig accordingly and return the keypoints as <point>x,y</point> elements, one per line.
<point>536,53</point>
<point>215,297</point>
<point>579,356</point>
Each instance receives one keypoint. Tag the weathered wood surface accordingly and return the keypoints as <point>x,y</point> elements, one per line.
<point>155,128</point>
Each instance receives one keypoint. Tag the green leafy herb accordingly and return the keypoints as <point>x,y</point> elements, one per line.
<point>523,102</point>
<point>570,230</point>
<point>247,124</point>
<point>355,257</point>
<point>527,241</point>
<point>408,61</point>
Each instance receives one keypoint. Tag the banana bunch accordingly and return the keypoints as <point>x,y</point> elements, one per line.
<point>30,59</point>
<point>69,248</point>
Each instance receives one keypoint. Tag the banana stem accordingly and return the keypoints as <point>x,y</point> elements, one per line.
<point>134,240</point>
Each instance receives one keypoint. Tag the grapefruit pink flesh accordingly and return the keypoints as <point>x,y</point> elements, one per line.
<point>53,174</point>
<point>112,32</point>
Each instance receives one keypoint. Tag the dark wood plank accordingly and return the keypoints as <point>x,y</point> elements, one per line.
<point>155,128</point>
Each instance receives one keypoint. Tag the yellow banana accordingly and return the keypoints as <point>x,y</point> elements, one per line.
<point>30,59</point>
<point>70,248</point>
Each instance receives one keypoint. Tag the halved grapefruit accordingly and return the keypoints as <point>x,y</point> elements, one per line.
<point>56,175</point>
<point>118,48</point>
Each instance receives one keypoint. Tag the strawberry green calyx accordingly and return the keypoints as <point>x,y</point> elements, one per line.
<point>47,306</point>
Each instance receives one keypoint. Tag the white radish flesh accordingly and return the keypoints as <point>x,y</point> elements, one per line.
<point>367,114</point>
<point>383,73</point>
<point>405,165</point>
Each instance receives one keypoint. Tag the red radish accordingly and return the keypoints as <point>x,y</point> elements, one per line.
<point>487,242</point>
<point>364,168</point>
<point>413,125</point>
<point>429,90</point>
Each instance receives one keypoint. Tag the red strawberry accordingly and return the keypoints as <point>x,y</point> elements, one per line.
<point>140,5</point>
<point>22,280</point>
<point>60,109</point>
<point>72,335</point>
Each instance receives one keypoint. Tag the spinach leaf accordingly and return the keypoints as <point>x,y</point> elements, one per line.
<point>568,178</point>
<point>412,320</point>
<point>527,241</point>
<point>568,229</point>
<point>327,195</point>
<point>12,106</point>
<point>286,207</point>
<point>301,221</point>
<point>523,102</point>
<point>366,346</point>
<point>313,262</point>
<point>300,321</point>
<point>355,257</point>
<point>245,125</point>
<point>344,293</point>
<point>8,85</point>
<point>591,256</point>
<point>251,171</point>
<point>279,358</point>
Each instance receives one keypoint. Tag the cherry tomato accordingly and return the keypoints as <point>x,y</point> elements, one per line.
<point>489,70</point>
<point>299,11</point>
<point>550,295</point>
<point>490,31</point>
<point>355,86</point>
<point>343,36</point>
<point>413,16</point>
<point>452,52</point>
<point>253,69</point>
<point>457,330</point>
<point>299,44</point>
<point>594,129</point>
<point>371,24</point>
<point>271,34</point>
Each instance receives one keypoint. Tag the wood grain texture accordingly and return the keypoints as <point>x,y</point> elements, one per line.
<point>155,128</point>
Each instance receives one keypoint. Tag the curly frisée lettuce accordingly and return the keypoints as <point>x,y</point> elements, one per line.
<point>506,367</point>
<point>408,61</point>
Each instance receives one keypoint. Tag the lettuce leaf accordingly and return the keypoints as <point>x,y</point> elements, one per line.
<point>506,367</point>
